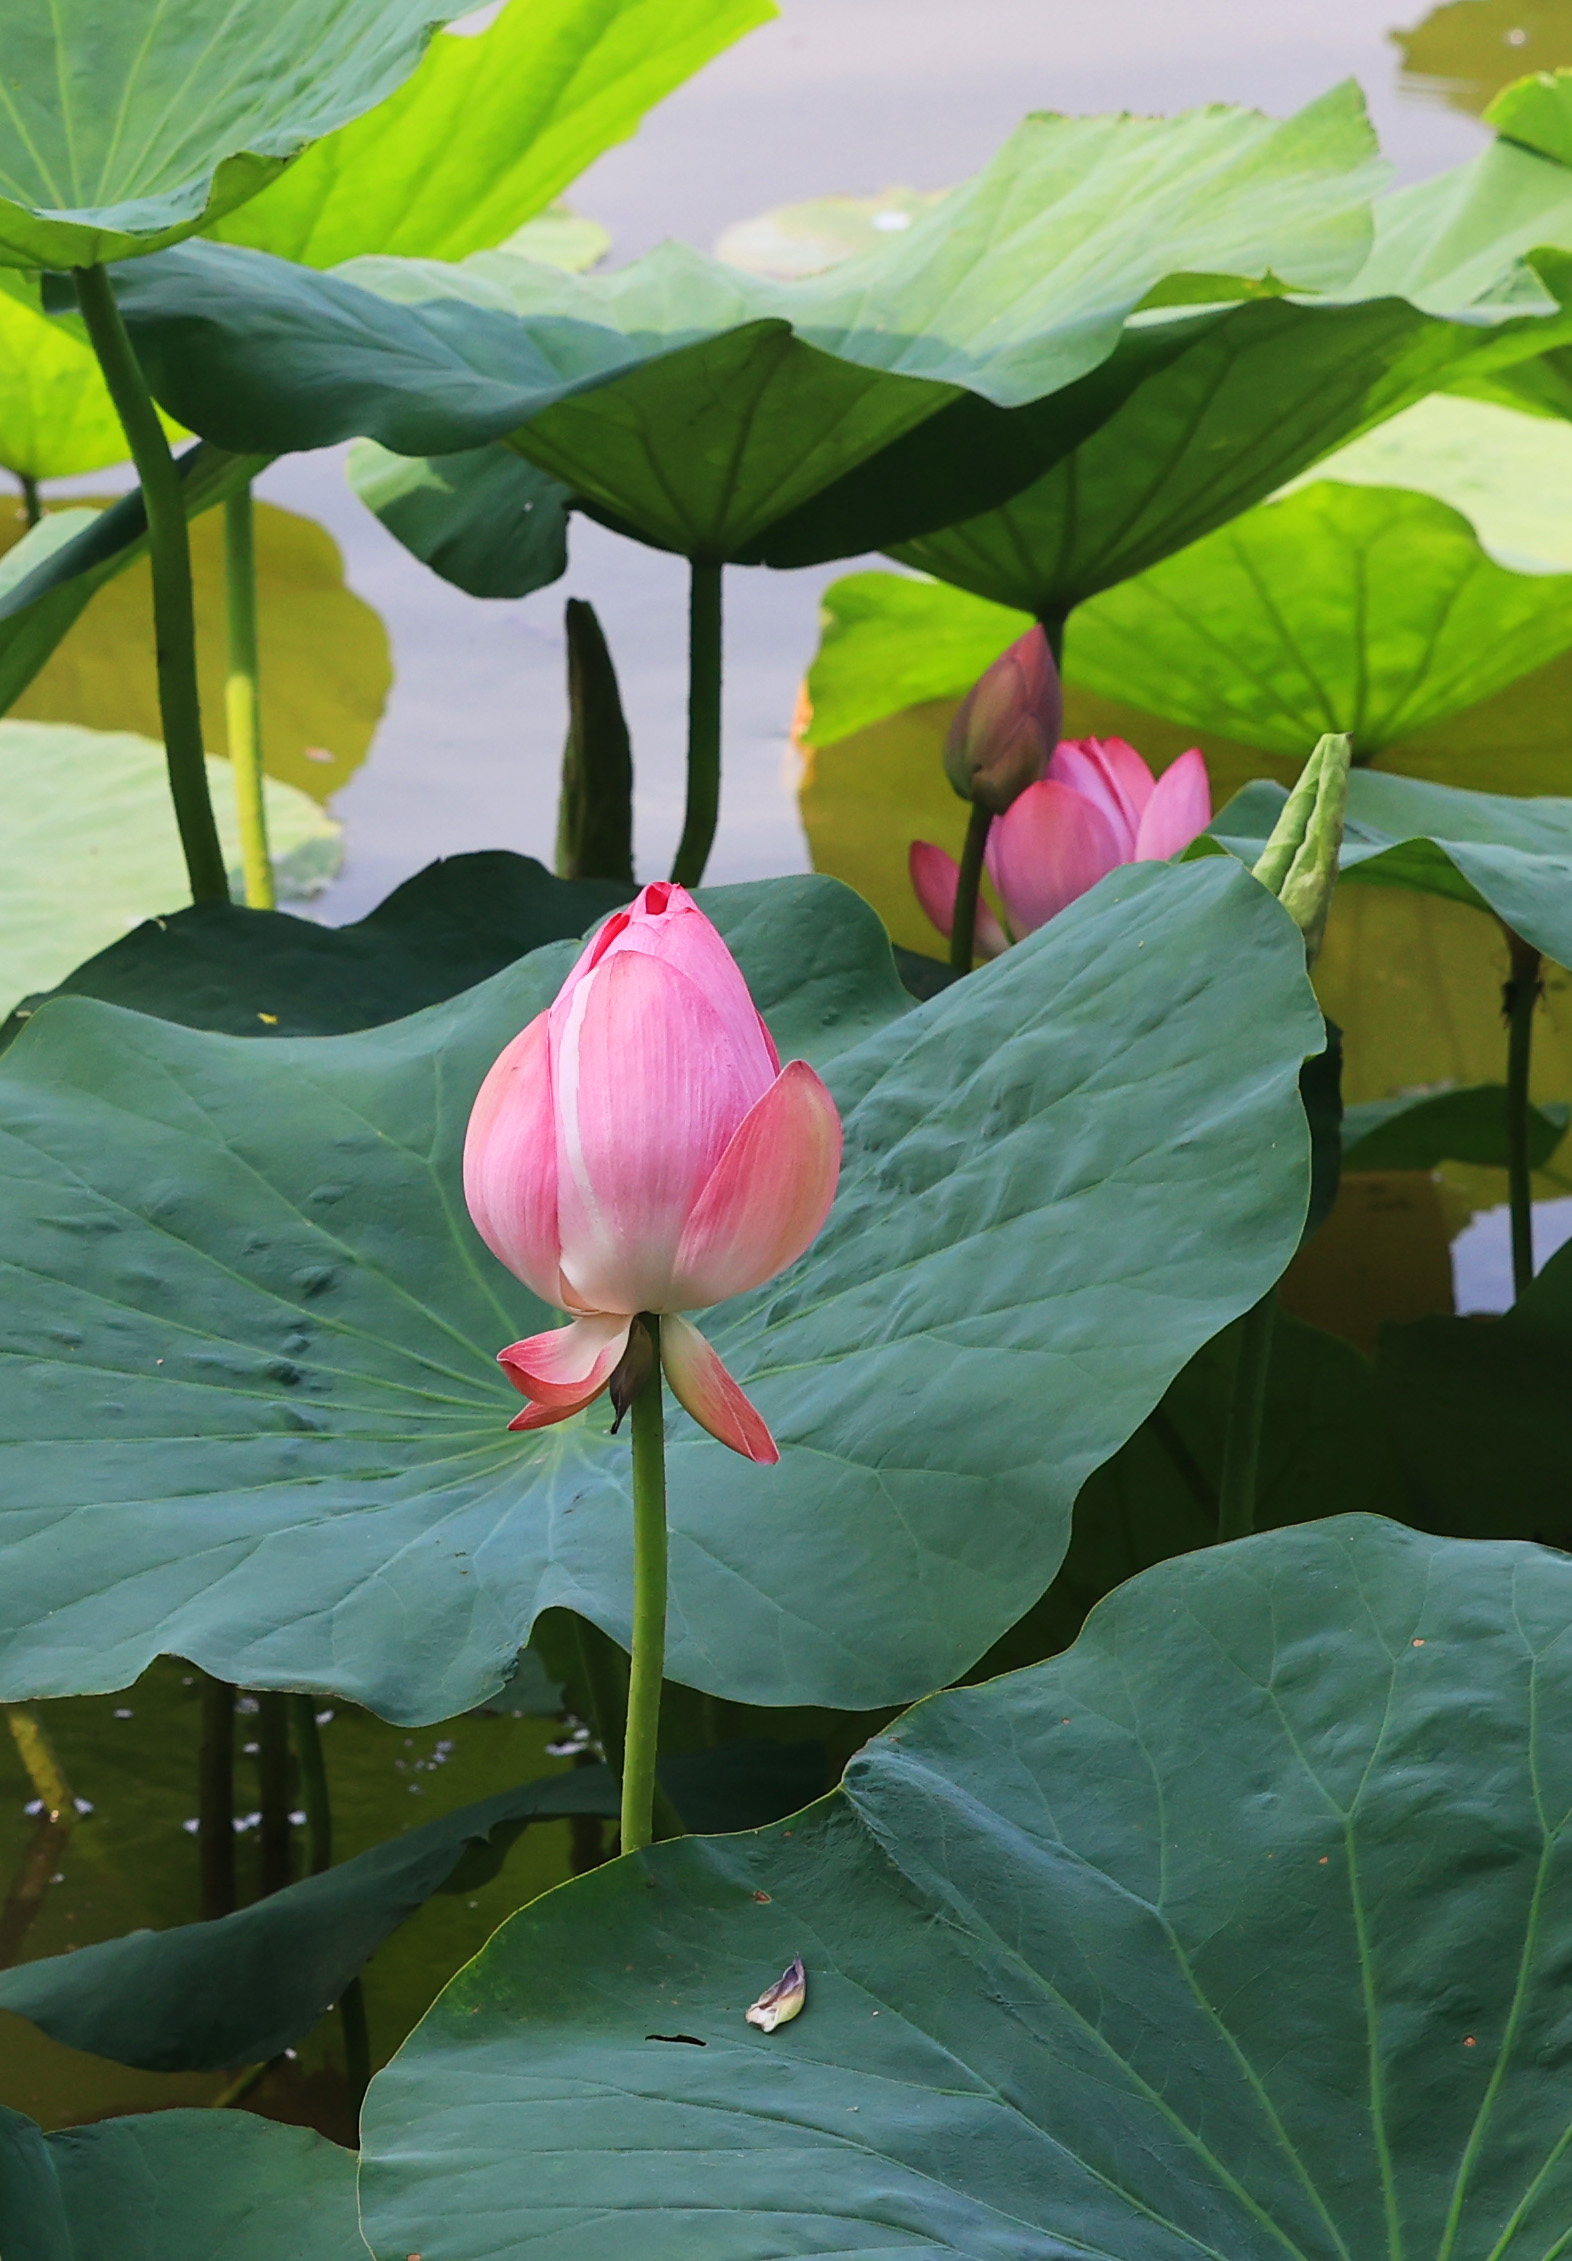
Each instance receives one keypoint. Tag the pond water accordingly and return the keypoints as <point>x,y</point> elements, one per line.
<point>837,95</point>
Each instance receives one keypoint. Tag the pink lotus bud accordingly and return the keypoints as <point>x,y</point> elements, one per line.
<point>639,1147</point>
<point>1006,727</point>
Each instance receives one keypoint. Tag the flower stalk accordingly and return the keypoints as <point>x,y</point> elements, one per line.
<point>641,1740</point>
<point>174,616</point>
<point>243,698</point>
<point>702,812</point>
<point>1520,994</point>
<point>963,933</point>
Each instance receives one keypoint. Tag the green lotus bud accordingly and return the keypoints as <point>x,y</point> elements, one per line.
<point>1299,862</point>
<point>1006,727</point>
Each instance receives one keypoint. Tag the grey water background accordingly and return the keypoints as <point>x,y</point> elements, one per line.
<point>837,96</point>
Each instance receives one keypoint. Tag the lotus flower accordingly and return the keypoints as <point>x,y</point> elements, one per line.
<point>1098,807</point>
<point>639,1147</point>
<point>1006,727</point>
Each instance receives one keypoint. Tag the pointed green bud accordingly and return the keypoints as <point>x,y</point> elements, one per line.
<point>1299,862</point>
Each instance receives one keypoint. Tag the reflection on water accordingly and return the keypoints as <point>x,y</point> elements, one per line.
<point>1467,51</point>
<point>1482,1254</point>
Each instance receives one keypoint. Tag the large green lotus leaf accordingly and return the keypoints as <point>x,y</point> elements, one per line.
<point>93,168</point>
<point>709,410</point>
<point>53,572</point>
<point>804,239</point>
<point>1062,1177</point>
<point>267,973</point>
<point>1509,473</point>
<point>326,667</point>
<point>1371,610</point>
<point>1472,1412</point>
<point>245,1987</point>
<point>1239,1929</point>
<point>176,2186</point>
<point>488,130</point>
<point>1237,409</point>
<point>89,847</point>
<point>485,519</point>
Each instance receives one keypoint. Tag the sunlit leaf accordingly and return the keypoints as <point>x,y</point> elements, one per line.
<point>1536,112</point>
<point>1371,610</point>
<point>723,414</point>
<point>288,1236</point>
<point>89,847</point>
<point>489,129</point>
<point>91,167</point>
<point>176,2186</point>
<point>1235,1930</point>
<point>325,663</point>
<point>56,418</point>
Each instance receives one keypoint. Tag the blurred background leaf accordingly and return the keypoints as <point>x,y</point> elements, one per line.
<point>326,665</point>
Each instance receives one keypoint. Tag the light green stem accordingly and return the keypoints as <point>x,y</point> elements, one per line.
<point>1522,994</point>
<point>704,725</point>
<point>174,618</point>
<point>963,929</point>
<point>243,698</point>
<point>1236,1490</point>
<point>642,1739</point>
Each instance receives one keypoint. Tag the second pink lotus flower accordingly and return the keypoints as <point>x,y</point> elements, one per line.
<point>1098,806</point>
<point>639,1147</point>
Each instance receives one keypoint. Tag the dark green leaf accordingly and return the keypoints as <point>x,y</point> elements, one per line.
<point>1063,1176</point>
<point>1238,1930</point>
<point>248,1986</point>
<point>1476,1409</point>
<point>492,524</point>
<point>176,2186</point>
<point>265,973</point>
<point>1445,1126</point>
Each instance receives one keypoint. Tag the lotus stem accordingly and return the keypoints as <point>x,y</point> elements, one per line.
<point>313,1782</point>
<point>174,617</point>
<point>642,1737</point>
<point>44,1849</point>
<point>276,1835</point>
<point>1236,1490</point>
<point>963,932</point>
<point>216,1799</point>
<point>243,698</point>
<point>357,2040</point>
<point>704,725</point>
<point>39,1757</point>
<point>32,508</point>
<point>1519,997</point>
<point>1053,626</point>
